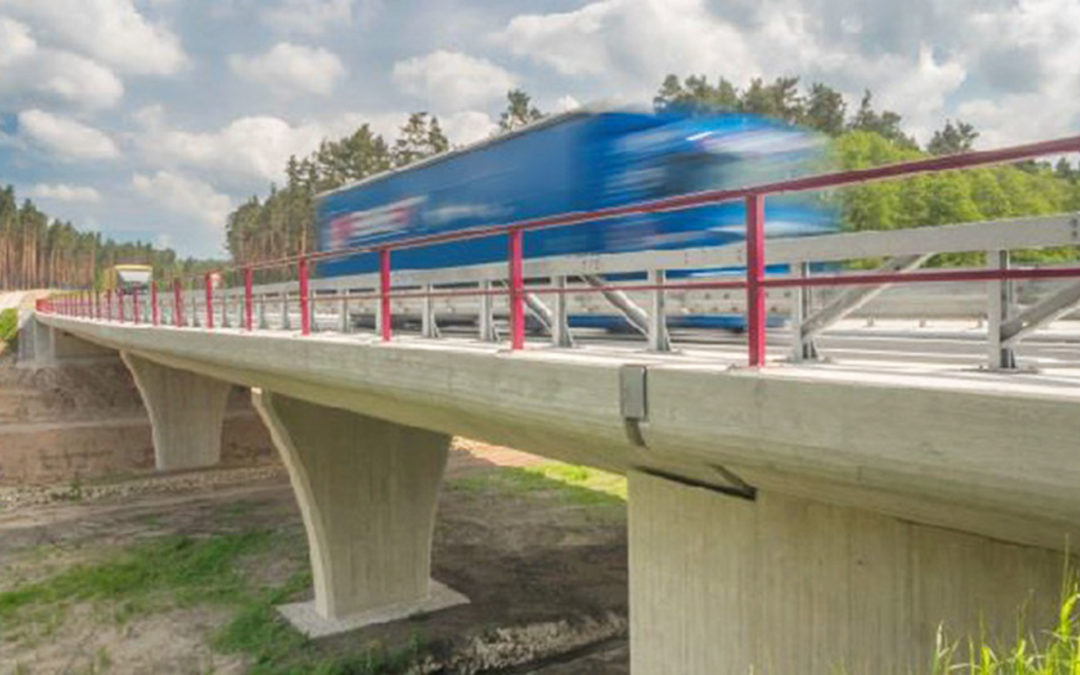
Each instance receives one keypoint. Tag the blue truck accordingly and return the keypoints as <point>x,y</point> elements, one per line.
<point>578,161</point>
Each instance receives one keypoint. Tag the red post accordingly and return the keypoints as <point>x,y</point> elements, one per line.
<point>155,316</point>
<point>384,294</point>
<point>135,303</point>
<point>755,272</point>
<point>305,311</point>
<point>108,304</point>
<point>208,282</point>
<point>120,303</point>
<point>249,276</point>
<point>517,290</point>
<point>178,304</point>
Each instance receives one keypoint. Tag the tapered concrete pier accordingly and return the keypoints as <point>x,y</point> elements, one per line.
<point>367,490</point>
<point>186,412</point>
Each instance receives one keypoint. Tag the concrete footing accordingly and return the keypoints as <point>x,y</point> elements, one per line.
<point>186,413</point>
<point>367,490</point>
<point>721,585</point>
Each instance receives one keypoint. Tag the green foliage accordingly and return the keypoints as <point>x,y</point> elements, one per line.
<point>9,329</point>
<point>952,138</point>
<point>1057,652</point>
<point>519,111</point>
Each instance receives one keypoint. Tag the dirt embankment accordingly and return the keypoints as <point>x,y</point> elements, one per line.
<point>84,421</point>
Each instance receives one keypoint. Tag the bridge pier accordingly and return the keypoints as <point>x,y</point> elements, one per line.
<point>367,490</point>
<point>186,413</point>
<point>781,584</point>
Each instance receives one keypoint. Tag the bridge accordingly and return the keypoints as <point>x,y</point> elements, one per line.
<point>817,496</point>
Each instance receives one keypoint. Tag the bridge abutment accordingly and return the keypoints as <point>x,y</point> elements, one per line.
<point>781,584</point>
<point>186,411</point>
<point>367,490</point>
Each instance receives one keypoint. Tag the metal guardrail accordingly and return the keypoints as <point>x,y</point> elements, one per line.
<point>570,279</point>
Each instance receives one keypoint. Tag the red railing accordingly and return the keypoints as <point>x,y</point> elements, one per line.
<point>755,283</point>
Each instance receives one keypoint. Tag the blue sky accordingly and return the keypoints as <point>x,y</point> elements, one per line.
<point>152,119</point>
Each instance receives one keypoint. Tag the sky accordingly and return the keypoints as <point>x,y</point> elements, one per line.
<point>152,119</point>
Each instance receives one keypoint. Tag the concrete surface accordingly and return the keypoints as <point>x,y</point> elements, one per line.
<point>367,491</point>
<point>186,413</point>
<point>306,617</point>
<point>782,584</point>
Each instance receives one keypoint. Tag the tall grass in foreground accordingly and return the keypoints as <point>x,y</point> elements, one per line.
<point>1056,652</point>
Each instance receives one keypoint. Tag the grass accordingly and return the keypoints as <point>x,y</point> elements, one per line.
<point>170,571</point>
<point>574,484</point>
<point>1054,652</point>
<point>9,329</point>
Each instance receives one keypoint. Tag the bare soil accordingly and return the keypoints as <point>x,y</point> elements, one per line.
<point>546,575</point>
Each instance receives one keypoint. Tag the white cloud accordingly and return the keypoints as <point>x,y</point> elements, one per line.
<point>313,17</point>
<point>31,74</point>
<point>111,31</point>
<point>630,45</point>
<point>185,195</point>
<point>567,103</point>
<point>287,68</point>
<point>468,126</point>
<point>64,137</point>
<point>66,193</point>
<point>248,148</point>
<point>453,80</point>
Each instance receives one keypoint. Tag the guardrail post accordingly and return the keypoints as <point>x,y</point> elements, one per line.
<point>560,323</point>
<point>135,303</point>
<point>108,305</point>
<point>755,272</point>
<point>305,308</point>
<point>155,314</point>
<point>999,297</point>
<point>120,304</point>
<point>658,334</point>
<point>517,289</point>
<point>802,345</point>
<point>428,327</point>
<point>386,320</point>
<point>207,281</point>
<point>343,309</point>
<point>485,321</point>
<point>225,322</point>
<point>285,323</point>
<point>249,275</point>
<point>178,304</point>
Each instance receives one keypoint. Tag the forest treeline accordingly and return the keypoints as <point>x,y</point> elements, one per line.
<point>37,251</point>
<point>283,222</point>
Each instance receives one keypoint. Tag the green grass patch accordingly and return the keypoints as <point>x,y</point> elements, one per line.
<point>177,571</point>
<point>9,329</point>
<point>1052,652</point>
<point>152,575</point>
<point>572,483</point>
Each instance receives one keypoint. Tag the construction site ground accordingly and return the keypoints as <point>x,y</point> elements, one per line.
<point>180,573</point>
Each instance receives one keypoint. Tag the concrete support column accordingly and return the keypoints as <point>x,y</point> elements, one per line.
<point>367,490</point>
<point>721,585</point>
<point>186,413</point>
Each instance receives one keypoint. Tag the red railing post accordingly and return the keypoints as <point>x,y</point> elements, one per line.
<point>178,304</point>
<point>135,303</point>
<point>120,303</point>
<point>305,310</point>
<point>384,295</point>
<point>517,289</point>
<point>755,272</point>
<point>249,278</point>
<point>208,282</point>
<point>154,315</point>
<point>108,304</point>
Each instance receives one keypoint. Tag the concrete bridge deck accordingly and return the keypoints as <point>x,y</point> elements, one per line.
<point>878,496</point>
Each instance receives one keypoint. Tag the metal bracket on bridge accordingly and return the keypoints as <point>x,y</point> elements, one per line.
<point>803,347</point>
